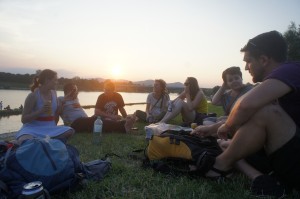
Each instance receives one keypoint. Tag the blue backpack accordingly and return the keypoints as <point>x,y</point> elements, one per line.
<point>50,161</point>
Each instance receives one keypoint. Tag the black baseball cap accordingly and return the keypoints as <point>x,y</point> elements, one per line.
<point>270,43</point>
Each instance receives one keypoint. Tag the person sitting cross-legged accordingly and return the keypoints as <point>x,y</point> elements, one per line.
<point>108,105</point>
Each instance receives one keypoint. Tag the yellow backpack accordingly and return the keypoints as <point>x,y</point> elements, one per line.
<point>177,151</point>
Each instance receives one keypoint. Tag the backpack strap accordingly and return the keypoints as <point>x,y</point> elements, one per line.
<point>5,158</point>
<point>3,187</point>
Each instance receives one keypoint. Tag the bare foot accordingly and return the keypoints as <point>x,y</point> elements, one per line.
<point>130,120</point>
<point>224,143</point>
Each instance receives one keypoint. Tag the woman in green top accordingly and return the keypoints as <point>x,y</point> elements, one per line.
<point>189,103</point>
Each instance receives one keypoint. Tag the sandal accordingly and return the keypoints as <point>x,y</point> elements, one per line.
<point>205,163</point>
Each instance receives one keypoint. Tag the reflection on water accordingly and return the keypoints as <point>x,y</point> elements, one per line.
<point>10,123</point>
<point>17,97</point>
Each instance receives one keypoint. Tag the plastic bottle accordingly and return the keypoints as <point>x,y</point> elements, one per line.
<point>97,132</point>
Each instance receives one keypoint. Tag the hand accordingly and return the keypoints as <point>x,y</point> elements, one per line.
<point>47,108</point>
<point>223,130</point>
<point>150,119</point>
<point>116,117</point>
<point>202,131</point>
<point>224,143</point>
<point>187,90</point>
<point>224,85</point>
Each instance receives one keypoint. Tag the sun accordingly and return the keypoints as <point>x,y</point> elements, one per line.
<point>116,71</point>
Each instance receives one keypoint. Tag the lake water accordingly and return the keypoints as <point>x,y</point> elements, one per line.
<point>15,98</point>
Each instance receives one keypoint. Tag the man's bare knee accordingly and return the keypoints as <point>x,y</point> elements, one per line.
<point>271,113</point>
<point>278,125</point>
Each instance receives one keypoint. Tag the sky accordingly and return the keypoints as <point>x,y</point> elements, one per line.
<point>136,40</point>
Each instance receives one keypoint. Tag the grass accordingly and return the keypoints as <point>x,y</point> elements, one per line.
<point>127,179</point>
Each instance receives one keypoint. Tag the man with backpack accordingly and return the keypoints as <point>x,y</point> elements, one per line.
<point>267,117</point>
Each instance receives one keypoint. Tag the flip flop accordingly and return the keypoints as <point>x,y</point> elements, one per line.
<point>206,163</point>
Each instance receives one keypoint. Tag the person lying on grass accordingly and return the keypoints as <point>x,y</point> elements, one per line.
<point>267,119</point>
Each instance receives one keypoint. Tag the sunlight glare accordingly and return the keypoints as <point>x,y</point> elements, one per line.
<point>116,71</point>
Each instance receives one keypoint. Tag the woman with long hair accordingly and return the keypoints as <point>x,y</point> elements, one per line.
<point>157,103</point>
<point>190,103</point>
<point>40,111</point>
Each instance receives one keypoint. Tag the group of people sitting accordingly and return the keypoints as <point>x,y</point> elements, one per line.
<point>262,121</point>
<point>160,108</point>
<point>43,108</point>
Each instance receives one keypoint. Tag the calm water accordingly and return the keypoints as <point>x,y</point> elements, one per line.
<point>15,98</point>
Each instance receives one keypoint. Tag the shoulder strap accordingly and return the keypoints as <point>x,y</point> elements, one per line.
<point>162,100</point>
<point>6,156</point>
<point>3,187</point>
<point>156,102</point>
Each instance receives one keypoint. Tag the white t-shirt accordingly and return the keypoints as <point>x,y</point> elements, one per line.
<point>157,107</point>
<point>71,111</point>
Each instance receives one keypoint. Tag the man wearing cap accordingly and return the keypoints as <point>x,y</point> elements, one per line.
<point>268,116</point>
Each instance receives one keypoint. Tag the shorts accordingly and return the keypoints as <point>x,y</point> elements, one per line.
<point>286,162</point>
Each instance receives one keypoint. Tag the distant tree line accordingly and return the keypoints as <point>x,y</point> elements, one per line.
<point>24,81</point>
<point>18,81</point>
<point>292,36</point>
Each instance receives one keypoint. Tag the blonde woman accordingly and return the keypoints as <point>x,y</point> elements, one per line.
<point>191,103</point>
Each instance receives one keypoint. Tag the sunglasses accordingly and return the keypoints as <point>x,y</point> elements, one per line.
<point>253,44</point>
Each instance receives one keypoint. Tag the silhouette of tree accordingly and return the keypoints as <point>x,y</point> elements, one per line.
<point>292,36</point>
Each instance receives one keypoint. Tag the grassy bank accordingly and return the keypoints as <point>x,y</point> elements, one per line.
<point>127,179</point>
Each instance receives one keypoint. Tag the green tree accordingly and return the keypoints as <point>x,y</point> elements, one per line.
<point>292,36</point>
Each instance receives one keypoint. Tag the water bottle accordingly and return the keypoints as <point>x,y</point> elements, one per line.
<point>97,132</point>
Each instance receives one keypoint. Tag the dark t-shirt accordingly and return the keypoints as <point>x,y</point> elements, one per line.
<point>110,105</point>
<point>289,73</point>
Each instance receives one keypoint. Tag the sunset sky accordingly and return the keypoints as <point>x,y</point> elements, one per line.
<point>136,39</point>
